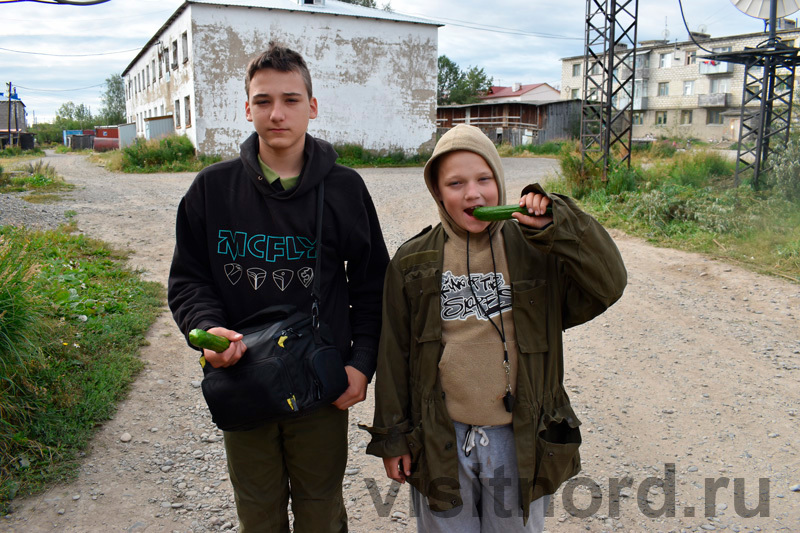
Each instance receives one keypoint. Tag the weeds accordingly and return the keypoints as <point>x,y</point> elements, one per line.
<point>35,176</point>
<point>690,202</point>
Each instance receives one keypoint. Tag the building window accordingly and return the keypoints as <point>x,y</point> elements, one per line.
<point>661,118</point>
<point>720,85</point>
<point>714,116</point>
<point>177,112</point>
<point>575,94</point>
<point>663,88</point>
<point>643,61</point>
<point>576,70</point>
<point>691,57</point>
<point>187,113</point>
<point>160,70</point>
<point>153,70</point>
<point>595,69</point>
<point>686,117</point>
<point>665,60</point>
<point>639,88</point>
<point>147,69</point>
<point>185,46</point>
<point>637,119</point>
<point>174,54</point>
<point>688,88</point>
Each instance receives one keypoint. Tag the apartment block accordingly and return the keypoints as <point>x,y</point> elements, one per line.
<point>678,91</point>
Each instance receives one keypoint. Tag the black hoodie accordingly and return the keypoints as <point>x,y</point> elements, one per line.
<point>242,245</point>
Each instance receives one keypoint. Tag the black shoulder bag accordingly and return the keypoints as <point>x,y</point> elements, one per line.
<point>291,365</point>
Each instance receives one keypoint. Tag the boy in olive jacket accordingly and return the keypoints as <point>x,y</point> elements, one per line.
<point>470,403</point>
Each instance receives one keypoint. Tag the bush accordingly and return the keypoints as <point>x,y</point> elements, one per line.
<point>174,153</point>
<point>784,176</point>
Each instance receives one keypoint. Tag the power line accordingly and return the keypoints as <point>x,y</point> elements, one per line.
<point>65,55</point>
<point>494,29</point>
<point>58,2</point>
<point>59,90</point>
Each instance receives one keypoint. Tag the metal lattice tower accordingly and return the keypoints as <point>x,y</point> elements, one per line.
<point>768,82</point>
<point>608,81</point>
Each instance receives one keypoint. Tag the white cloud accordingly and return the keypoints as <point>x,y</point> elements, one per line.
<point>508,58</point>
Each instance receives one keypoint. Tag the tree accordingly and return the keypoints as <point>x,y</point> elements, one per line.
<point>113,111</point>
<point>460,87</point>
<point>449,73</point>
<point>74,117</point>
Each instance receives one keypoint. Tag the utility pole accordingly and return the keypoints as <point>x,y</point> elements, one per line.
<point>8,130</point>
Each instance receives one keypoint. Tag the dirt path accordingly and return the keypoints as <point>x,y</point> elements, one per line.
<point>690,379</point>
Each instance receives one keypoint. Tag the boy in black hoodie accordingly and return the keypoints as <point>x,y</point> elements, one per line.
<point>245,238</point>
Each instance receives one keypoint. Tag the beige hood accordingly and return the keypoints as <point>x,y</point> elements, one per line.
<point>472,139</point>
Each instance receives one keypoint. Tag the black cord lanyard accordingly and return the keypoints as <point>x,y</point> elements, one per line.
<point>508,399</point>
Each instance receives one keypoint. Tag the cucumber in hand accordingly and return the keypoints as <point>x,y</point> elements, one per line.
<point>503,212</point>
<point>209,341</point>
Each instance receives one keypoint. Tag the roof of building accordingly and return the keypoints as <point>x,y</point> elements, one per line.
<point>489,102</point>
<point>330,7</point>
<point>506,92</point>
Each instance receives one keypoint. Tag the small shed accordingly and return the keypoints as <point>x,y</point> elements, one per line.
<point>158,127</point>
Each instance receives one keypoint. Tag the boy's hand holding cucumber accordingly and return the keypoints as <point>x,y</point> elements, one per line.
<point>221,347</point>
<point>533,210</point>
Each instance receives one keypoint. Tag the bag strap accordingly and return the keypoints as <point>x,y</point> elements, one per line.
<point>315,288</point>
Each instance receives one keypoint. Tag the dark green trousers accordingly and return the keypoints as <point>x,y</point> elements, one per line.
<point>303,458</point>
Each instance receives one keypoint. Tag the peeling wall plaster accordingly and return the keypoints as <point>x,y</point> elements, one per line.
<point>375,80</point>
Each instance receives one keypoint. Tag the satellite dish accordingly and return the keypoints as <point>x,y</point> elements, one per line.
<point>702,28</point>
<point>760,8</point>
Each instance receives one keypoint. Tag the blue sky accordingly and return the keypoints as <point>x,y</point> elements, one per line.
<point>60,53</point>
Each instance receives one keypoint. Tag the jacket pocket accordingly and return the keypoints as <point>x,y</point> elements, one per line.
<point>530,315</point>
<point>557,443</point>
<point>424,295</point>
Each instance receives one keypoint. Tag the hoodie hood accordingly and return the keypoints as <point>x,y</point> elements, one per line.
<point>471,139</point>
<point>318,159</point>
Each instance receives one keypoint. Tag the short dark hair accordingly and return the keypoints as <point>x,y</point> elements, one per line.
<point>282,59</point>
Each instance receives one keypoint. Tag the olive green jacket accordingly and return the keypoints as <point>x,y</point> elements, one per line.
<point>561,277</point>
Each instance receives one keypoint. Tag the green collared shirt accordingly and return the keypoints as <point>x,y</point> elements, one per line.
<point>271,176</point>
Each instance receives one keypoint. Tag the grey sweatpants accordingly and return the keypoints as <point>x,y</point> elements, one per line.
<point>488,479</point>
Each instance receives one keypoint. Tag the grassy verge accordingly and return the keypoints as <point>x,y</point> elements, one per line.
<point>72,319</point>
<point>690,202</point>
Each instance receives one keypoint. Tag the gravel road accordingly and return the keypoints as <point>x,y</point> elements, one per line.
<point>687,389</point>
